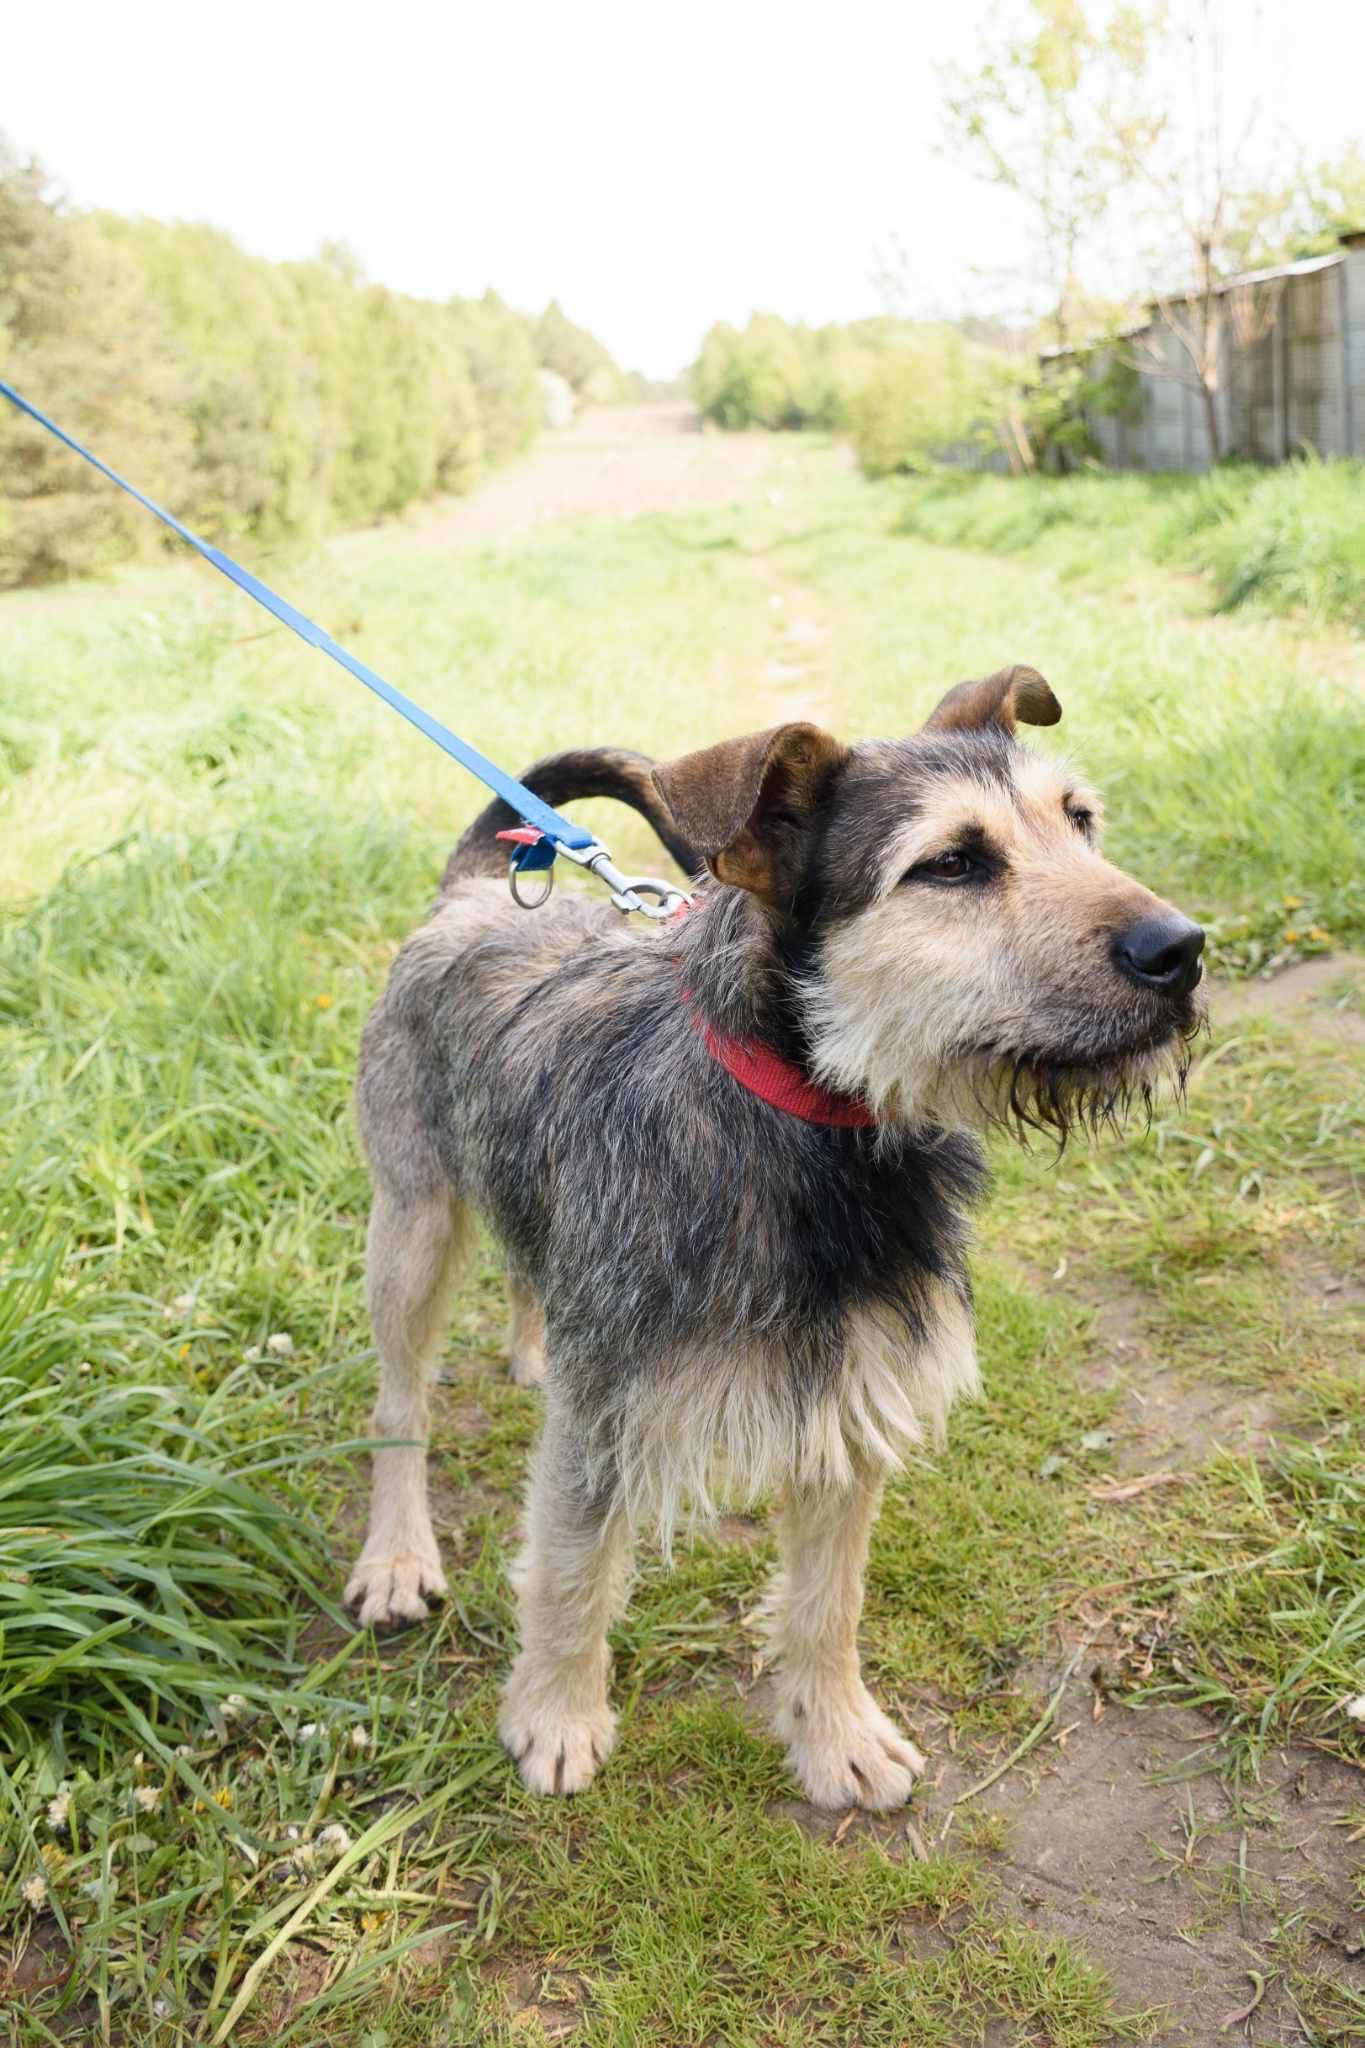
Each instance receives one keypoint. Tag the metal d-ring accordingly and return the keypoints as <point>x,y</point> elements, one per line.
<point>533,902</point>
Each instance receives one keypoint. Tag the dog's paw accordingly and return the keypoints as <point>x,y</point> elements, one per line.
<point>526,1365</point>
<point>847,1753</point>
<point>555,1750</point>
<point>393,1587</point>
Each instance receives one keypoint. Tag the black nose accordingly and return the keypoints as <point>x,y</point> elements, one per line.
<point>1162,952</point>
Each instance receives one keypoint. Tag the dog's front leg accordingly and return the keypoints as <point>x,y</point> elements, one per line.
<point>571,1578</point>
<point>841,1746</point>
<point>412,1246</point>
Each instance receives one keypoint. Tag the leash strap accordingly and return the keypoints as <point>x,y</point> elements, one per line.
<point>565,834</point>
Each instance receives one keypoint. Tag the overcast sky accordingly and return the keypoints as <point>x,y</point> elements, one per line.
<point>654,167</point>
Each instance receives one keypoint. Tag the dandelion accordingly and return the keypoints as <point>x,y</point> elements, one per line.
<point>223,1797</point>
<point>183,1352</point>
<point>59,1809</point>
<point>334,1841</point>
<point>281,1345</point>
<point>184,1749</point>
<point>1293,903</point>
<point>372,1922</point>
<point>234,1706</point>
<point>147,1797</point>
<point>324,1001</point>
<point>34,1891</point>
<point>359,1738</point>
<point>1355,1709</point>
<point>1291,937</point>
<point>1319,936</point>
<point>252,1354</point>
<point>183,1304</point>
<point>84,1366</point>
<point>55,1859</point>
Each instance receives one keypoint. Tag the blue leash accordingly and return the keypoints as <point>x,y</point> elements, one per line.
<point>562,835</point>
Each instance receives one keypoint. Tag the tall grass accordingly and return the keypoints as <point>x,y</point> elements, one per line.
<point>169,1078</point>
<point>1285,540</point>
<point>146,1555</point>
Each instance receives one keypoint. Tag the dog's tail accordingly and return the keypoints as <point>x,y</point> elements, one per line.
<point>559,778</point>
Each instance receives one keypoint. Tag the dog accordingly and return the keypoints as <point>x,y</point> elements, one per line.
<point>730,1159</point>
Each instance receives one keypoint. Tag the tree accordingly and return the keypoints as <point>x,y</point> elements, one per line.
<point>1194,206</point>
<point>1305,214</point>
<point>1138,135</point>
<point>577,356</point>
<point>1054,115</point>
<point>78,338</point>
<point>502,367</point>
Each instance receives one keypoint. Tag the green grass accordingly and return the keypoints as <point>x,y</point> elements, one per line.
<point>1283,540</point>
<point>209,846</point>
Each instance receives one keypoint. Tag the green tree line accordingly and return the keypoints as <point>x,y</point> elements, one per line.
<point>262,399</point>
<point>903,391</point>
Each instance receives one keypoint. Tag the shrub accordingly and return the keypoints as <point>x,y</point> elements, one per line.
<point>502,367</point>
<point>932,391</point>
<point>577,356</point>
<point>760,377</point>
<point>903,391</point>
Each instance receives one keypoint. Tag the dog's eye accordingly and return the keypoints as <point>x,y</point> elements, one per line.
<point>1083,820</point>
<point>944,867</point>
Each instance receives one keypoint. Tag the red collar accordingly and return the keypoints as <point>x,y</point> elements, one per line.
<point>774,1080</point>
<point>780,1082</point>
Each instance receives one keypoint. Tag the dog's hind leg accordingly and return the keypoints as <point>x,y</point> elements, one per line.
<point>571,1580</point>
<point>525,1333</point>
<point>840,1745</point>
<point>410,1253</point>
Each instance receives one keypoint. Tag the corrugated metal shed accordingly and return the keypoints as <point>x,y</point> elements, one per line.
<point>1291,370</point>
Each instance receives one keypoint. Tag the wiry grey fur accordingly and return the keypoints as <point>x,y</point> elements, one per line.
<point>722,1285</point>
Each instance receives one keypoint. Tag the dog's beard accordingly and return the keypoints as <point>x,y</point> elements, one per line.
<point>1061,1089</point>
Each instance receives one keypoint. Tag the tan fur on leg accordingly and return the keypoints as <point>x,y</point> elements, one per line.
<point>571,1580</point>
<point>525,1333</point>
<point>411,1251</point>
<point>841,1746</point>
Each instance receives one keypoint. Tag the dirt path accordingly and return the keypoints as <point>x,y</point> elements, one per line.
<point>613,463</point>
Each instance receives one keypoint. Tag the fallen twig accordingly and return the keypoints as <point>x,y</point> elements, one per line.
<point>1108,1490</point>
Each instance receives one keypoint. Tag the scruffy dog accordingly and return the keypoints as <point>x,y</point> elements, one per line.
<point>728,1159</point>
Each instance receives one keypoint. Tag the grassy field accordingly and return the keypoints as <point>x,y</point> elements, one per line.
<point>1134,1577</point>
<point>1289,541</point>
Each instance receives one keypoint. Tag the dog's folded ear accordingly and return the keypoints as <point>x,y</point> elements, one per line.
<point>1012,696</point>
<point>746,804</point>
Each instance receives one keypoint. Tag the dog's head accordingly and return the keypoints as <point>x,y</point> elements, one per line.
<point>957,938</point>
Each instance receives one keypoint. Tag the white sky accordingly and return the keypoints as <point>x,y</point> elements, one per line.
<point>655,168</point>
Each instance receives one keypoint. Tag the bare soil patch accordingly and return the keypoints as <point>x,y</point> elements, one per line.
<point>1301,995</point>
<point>1164,1418</point>
<point>613,463</point>
<point>1119,1837</point>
